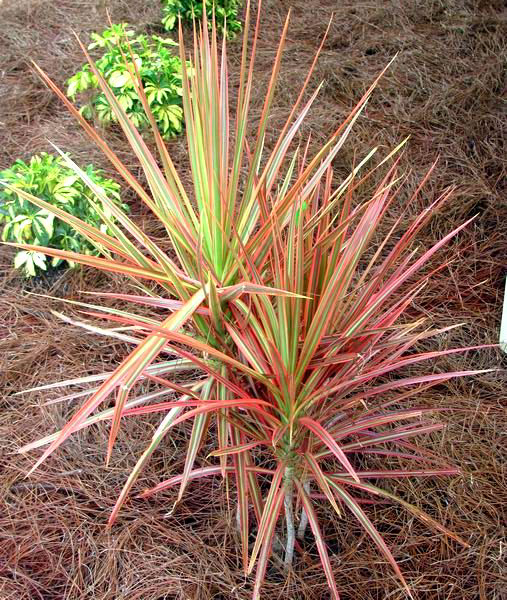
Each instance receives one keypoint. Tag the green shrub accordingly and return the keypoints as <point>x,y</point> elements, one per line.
<point>47,177</point>
<point>160,73</point>
<point>226,12</point>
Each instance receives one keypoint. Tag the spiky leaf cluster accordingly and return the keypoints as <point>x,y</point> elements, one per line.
<point>285,296</point>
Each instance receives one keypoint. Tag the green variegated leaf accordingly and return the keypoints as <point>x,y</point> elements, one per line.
<point>21,258</point>
<point>43,229</point>
<point>119,78</point>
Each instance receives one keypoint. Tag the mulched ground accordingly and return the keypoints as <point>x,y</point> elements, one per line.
<point>444,90</point>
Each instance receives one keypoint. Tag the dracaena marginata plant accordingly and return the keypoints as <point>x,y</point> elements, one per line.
<point>285,300</point>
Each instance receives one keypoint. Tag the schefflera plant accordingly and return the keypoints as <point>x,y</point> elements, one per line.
<point>47,177</point>
<point>159,69</point>
<point>282,301</point>
<point>225,13</point>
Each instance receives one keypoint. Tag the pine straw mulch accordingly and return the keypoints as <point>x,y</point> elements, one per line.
<point>444,90</point>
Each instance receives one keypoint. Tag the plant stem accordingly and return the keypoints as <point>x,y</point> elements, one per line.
<point>238,517</point>
<point>289,517</point>
<point>303,523</point>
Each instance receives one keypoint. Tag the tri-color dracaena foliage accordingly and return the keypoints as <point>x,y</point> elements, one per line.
<point>283,299</point>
